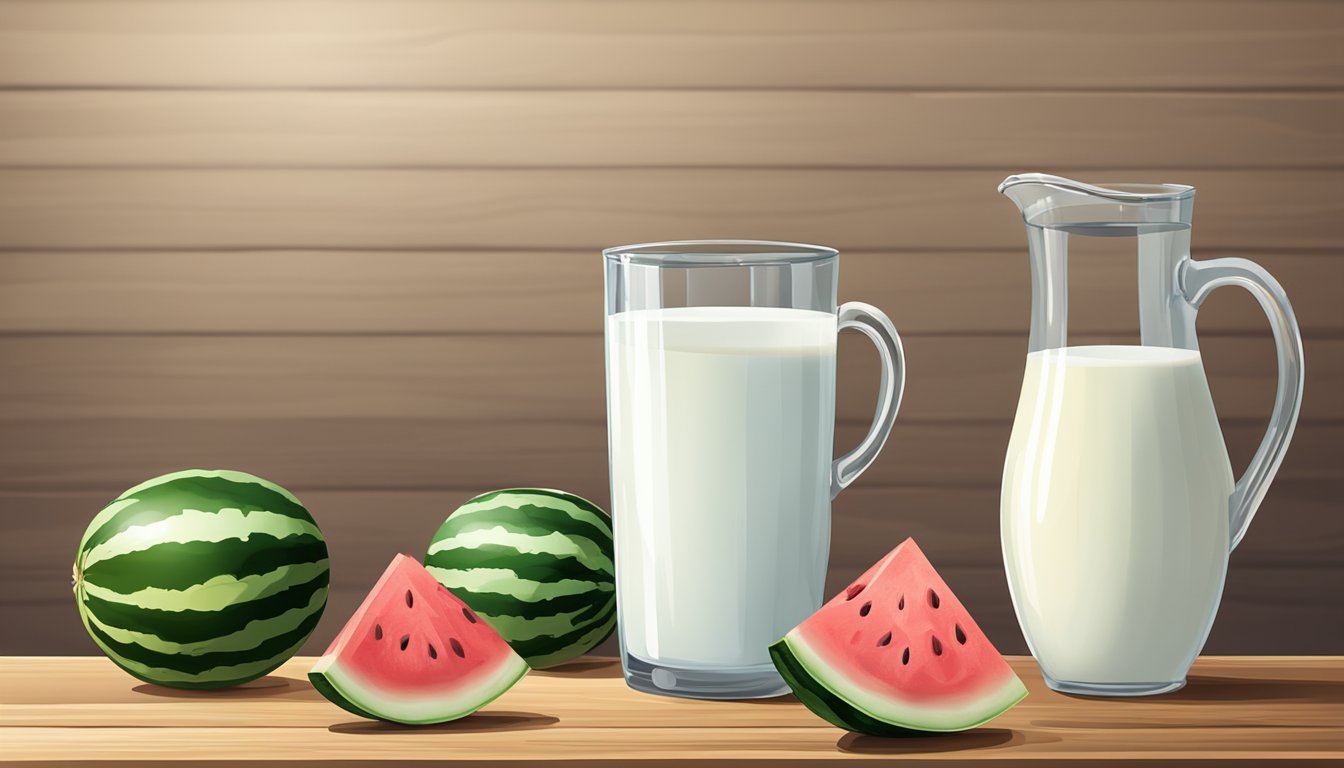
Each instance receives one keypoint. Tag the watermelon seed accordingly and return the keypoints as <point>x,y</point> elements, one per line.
<point>433,654</point>
<point>933,598</point>
<point>405,641</point>
<point>377,631</point>
<point>457,647</point>
<point>469,615</point>
<point>961,636</point>
<point>937,646</point>
<point>905,656</point>
<point>854,590</point>
<point>868,606</point>
<point>410,601</point>
<point>886,640</point>
<point>901,605</point>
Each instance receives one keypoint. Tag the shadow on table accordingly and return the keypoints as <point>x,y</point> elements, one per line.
<point>1202,689</point>
<point>268,687</point>
<point>480,722</point>
<point>1206,688</point>
<point>586,669</point>
<point>787,699</point>
<point>925,743</point>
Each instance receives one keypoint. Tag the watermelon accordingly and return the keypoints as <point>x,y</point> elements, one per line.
<point>201,578</point>
<point>413,653</point>
<point>897,652</point>
<point>537,565</point>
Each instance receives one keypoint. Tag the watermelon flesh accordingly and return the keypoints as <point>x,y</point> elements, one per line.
<point>414,653</point>
<point>897,652</point>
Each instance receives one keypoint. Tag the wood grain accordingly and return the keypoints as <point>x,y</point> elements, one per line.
<point>1284,568</point>
<point>63,709</point>
<point>533,377</point>
<point>661,44</point>
<point>392,292</point>
<point>351,245</point>
<point>682,128</point>
<point>881,210</point>
<point>109,455</point>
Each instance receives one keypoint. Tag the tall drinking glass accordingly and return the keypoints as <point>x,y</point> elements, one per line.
<point>720,414</point>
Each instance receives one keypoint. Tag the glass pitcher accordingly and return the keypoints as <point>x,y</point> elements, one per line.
<point>1119,507</point>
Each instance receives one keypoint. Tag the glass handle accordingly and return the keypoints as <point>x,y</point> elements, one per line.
<point>1198,279</point>
<point>871,321</point>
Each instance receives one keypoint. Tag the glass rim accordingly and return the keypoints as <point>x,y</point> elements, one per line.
<point>689,253</point>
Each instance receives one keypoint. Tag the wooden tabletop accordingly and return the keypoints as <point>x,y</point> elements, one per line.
<point>83,711</point>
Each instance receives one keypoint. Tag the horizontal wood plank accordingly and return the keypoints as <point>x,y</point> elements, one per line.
<point>952,210</point>
<point>470,744</point>
<point>110,455</point>
<point>526,378</point>
<point>106,698</point>
<point>685,128</point>
<point>62,706</point>
<point>1253,617</point>
<point>391,292</point>
<point>1284,569</point>
<point>671,44</point>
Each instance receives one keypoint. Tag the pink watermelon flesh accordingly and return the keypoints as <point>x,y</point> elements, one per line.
<point>896,651</point>
<point>414,653</point>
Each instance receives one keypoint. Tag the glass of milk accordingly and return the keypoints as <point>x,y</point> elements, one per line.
<point>720,413</point>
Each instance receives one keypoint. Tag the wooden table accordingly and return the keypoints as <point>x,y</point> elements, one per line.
<point>83,711</point>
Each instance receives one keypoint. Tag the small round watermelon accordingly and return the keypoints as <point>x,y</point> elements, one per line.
<point>537,565</point>
<point>201,578</point>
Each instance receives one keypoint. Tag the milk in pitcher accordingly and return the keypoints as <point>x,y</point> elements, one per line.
<point>1114,511</point>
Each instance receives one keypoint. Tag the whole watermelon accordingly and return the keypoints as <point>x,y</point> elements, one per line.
<point>201,578</point>
<point>537,565</point>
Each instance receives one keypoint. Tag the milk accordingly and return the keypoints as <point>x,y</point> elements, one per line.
<point>1115,512</point>
<point>720,423</point>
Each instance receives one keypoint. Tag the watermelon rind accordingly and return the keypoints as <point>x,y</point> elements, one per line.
<point>537,564</point>
<point>344,689</point>
<point>849,705</point>
<point>201,578</point>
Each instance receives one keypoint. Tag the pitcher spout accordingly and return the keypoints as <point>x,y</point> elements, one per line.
<point>1056,202</point>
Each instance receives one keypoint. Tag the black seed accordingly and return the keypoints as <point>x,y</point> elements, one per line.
<point>469,615</point>
<point>405,641</point>
<point>905,657</point>
<point>937,646</point>
<point>865,609</point>
<point>854,590</point>
<point>409,600</point>
<point>457,647</point>
<point>933,598</point>
<point>886,640</point>
<point>900,606</point>
<point>433,654</point>
<point>961,636</point>
<point>377,631</point>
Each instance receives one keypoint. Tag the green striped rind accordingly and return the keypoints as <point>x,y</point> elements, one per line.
<point>537,564</point>
<point>202,579</point>
<point>826,692</point>
<point>346,689</point>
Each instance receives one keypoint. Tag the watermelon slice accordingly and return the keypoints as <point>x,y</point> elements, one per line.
<point>413,653</point>
<point>896,652</point>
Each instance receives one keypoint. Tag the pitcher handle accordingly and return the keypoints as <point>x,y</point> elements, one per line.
<point>871,321</point>
<point>1198,279</point>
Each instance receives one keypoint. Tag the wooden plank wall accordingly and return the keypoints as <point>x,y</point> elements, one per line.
<point>351,245</point>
